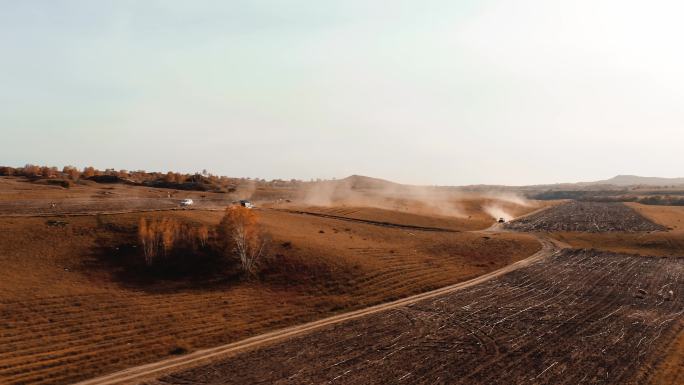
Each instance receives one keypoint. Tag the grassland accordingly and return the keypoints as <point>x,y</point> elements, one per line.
<point>71,310</point>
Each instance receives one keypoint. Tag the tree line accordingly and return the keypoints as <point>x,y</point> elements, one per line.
<point>71,173</point>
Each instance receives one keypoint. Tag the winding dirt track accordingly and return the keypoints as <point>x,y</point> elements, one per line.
<point>370,222</point>
<point>153,370</point>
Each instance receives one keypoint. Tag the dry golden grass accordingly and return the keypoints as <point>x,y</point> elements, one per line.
<point>669,216</point>
<point>20,197</point>
<point>67,313</point>
<point>473,209</point>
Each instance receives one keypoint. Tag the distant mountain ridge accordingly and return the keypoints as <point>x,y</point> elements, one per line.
<point>619,181</point>
<point>635,180</point>
<point>366,182</point>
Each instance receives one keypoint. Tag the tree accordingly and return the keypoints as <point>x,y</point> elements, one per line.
<point>71,172</point>
<point>88,172</point>
<point>241,237</point>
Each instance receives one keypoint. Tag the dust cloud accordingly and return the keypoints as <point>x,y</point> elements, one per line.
<point>497,211</point>
<point>246,189</point>
<point>383,195</point>
<point>501,207</point>
<point>508,197</point>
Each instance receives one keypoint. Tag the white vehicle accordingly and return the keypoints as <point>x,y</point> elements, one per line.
<point>186,202</point>
<point>246,203</point>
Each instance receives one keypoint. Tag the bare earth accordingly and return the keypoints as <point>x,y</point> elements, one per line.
<point>577,317</point>
<point>592,217</point>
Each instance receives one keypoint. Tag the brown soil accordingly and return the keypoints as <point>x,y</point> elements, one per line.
<point>577,317</point>
<point>69,311</point>
<point>670,369</point>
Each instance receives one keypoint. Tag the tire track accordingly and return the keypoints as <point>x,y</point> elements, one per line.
<point>369,222</point>
<point>138,374</point>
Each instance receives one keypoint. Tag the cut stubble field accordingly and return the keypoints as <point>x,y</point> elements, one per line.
<point>586,217</point>
<point>576,317</point>
<point>656,243</point>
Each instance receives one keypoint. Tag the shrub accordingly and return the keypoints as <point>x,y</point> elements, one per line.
<point>60,182</point>
<point>177,350</point>
<point>30,170</point>
<point>88,172</point>
<point>7,171</point>
<point>71,172</point>
<point>48,172</point>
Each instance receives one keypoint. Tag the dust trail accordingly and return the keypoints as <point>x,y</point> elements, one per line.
<point>369,192</point>
<point>509,197</point>
<point>503,204</point>
<point>246,189</point>
<point>497,211</point>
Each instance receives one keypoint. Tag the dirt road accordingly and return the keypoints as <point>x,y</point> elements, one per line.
<point>150,371</point>
<point>370,222</point>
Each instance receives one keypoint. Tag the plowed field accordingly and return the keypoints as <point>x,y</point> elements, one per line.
<point>578,317</point>
<point>593,217</point>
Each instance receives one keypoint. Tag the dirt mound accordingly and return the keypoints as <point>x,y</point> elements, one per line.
<point>591,217</point>
<point>366,182</point>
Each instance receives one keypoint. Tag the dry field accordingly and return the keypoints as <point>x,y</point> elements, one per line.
<point>70,309</point>
<point>591,217</point>
<point>473,214</point>
<point>21,198</point>
<point>656,243</point>
<point>576,317</point>
<point>668,243</point>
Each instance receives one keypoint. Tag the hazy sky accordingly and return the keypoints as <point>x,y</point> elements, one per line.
<point>432,92</point>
